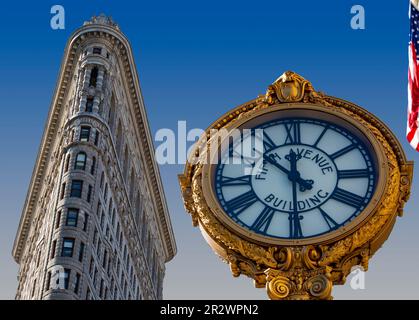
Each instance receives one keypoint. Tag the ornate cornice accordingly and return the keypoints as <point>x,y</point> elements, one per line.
<point>100,29</point>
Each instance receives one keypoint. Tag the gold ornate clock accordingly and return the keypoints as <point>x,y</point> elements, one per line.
<point>295,188</point>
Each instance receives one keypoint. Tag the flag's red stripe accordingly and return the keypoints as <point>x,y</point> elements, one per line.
<point>414,95</point>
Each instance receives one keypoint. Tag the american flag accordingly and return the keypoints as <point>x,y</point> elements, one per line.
<point>413,90</point>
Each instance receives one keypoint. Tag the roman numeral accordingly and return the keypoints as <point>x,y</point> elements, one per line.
<point>320,137</point>
<point>239,204</point>
<point>347,197</point>
<point>268,143</point>
<point>351,174</point>
<point>329,220</point>
<point>343,151</point>
<point>264,219</point>
<point>293,133</point>
<point>237,181</point>
<point>296,231</point>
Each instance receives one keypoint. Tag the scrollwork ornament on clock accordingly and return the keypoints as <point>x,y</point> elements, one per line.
<point>318,193</point>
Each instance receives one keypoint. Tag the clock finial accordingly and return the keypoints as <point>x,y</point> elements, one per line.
<point>289,87</point>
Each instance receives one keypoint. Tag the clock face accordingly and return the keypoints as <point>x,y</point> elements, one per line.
<point>302,178</point>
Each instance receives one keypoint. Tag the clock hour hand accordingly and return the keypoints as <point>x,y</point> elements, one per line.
<point>294,175</point>
<point>304,184</point>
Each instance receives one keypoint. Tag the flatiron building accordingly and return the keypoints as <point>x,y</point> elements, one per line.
<point>95,224</point>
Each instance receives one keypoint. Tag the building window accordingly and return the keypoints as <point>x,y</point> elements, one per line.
<point>126,164</point>
<point>101,289</point>
<point>38,259</point>
<point>102,178</point>
<point>105,193</point>
<point>102,219</point>
<point>80,163</point>
<point>81,251</point>
<point>77,284</point>
<point>84,134</point>
<point>91,265</point>
<point>54,245</point>
<point>67,162</point>
<point>95,277</point>
<point>119,138</point>
<point>89,104</point>
<point>94,236</point>
<point>105,256</point>
<point>99,207</point>
<point>58,221</point>
<point>93,77</point>
<point>88,294</point>
<point>76,188</point>
<point>97,50</point>
<point>68,246</point>
<point>97,134</point>
<point>111,114</point>
<point>86,221</point>
<point>113,218</point>
<point>33,288</point>
<point>72,217</point>
<point>92,168</point>
<point>62,191</point>
<point>48,284</point>
<point>66,278</point>
<point>89,193</point>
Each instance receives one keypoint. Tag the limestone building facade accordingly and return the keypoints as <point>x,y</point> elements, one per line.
<point>95,224</point>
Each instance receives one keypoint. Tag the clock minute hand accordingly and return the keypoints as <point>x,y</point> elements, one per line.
<point>276,164</point>
<point>295,227</point>
<point>304,184</point>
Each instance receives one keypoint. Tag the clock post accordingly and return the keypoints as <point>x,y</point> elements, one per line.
<point>320,197</point>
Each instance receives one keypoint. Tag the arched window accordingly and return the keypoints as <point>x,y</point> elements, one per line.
<point>67,162</point>
<point>92,168</point>
<point>80,163</point>
<point>93,77</point>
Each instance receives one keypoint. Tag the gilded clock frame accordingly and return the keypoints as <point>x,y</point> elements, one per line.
<point>301,269</point>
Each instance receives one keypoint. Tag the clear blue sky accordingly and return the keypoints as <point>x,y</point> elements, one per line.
<point>196,60</point>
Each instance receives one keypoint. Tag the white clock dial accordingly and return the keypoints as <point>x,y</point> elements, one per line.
<point>310,177</point>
